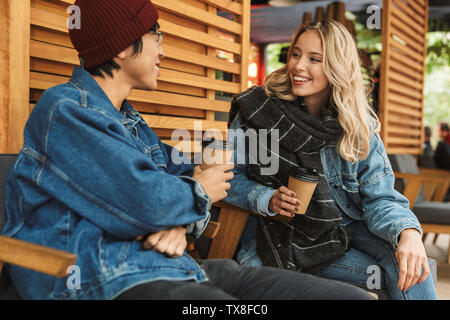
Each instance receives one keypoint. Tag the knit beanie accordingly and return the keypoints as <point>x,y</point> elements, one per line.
<point>110,26</point>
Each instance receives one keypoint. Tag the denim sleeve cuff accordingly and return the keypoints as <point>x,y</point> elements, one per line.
<point>262,204</point>
<point>204,205</point>
<point>398,231</point>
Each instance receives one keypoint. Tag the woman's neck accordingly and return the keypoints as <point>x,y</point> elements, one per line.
<point>316,102</point>
<point>315,105</point>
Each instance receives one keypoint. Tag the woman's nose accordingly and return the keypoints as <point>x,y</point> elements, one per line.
<point>300,65</point>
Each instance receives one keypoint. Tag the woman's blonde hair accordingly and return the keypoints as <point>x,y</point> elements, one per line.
<point>350,91</point>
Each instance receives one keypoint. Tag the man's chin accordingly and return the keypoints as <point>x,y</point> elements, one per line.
<point>151,87</point>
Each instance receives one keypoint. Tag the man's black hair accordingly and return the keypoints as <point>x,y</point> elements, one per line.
<point>110,65</point>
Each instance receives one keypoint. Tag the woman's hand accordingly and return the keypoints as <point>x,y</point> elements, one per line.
<point>411,259</point>
<point>283,202</point>
<point>170,242</point>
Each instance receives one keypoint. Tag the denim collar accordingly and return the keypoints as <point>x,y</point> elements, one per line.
<point>84,81</point>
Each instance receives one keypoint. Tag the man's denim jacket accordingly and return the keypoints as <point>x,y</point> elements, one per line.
<point>89,180</point>
<point>363,191</point>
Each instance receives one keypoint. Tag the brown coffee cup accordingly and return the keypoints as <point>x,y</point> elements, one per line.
<point>303,183</point>
<point>215,152</point>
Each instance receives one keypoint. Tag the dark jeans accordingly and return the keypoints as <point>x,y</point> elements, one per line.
<point>228,280</point>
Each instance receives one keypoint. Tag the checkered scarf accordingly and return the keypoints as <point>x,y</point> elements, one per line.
<point>309,241</point>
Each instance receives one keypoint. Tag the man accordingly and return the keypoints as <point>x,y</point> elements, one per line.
<point>442,153</point>
<point>92,178</point>
<point>427,158</point>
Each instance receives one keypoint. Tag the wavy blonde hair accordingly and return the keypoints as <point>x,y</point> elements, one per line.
<point>350,91</point>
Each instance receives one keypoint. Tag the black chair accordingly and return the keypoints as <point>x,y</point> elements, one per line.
<point>433,216</point>
<point>22,253</point>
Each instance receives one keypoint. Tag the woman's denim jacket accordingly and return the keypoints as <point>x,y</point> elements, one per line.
<point>363,191</point>
<point>89,180</point>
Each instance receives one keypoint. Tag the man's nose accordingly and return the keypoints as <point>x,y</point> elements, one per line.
<point>161,53</point>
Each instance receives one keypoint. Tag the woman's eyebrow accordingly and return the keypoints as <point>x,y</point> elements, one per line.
<point>311,52</point>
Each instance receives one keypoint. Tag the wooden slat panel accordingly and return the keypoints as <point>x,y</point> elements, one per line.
<point>57,22</point>
<point>405,66</point>
<point>166,75</point>
<point>398,140</point>
<point>184,9</point>
<point>392,117</point>
<point>402,150</point>
<point>226,5</point>
<point>199,37</point>
<point>401,88</point>
<point>410,42</point>
<point>411,13</point>
<point>48,20</point>
<point>167,110</point>
<point>179,100</point>
<point>404,100</point>
<point>184,123</point>
<point>416,7</point>
<point>407,51</point>
<point>69,55</point>
<point>45,81</point>
<point>197,81</point>
<point>415,84</point>
<point>400,26</point>
<point>408,21</point>
<point>200,59</point>
<point>50,36</point>
<point>187,84</point>
<point>405,109</point>
<point>402,131</point>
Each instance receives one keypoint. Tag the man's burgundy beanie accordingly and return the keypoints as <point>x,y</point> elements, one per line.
<point>110,26</point>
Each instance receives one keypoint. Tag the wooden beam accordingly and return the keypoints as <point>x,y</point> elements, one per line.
<point>245,44</point>
<point>14,72</point>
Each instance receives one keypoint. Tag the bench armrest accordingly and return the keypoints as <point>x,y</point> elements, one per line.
<point>415,181</point>
<point>232,221</point>
<point>35,257</point>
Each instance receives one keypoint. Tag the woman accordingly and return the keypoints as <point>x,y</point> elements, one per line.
<point>317,109</point>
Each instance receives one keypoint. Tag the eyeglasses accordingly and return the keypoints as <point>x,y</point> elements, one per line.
<point>160,36</point>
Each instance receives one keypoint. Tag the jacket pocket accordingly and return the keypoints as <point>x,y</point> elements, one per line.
<point>350,185</point>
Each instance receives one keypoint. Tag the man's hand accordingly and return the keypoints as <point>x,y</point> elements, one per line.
<point>214,180</point>
<point>283,202</point>
<point>411,259</point>
<point>170,242</point>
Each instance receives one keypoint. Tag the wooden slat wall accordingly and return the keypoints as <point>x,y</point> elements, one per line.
<point>186,97</point>
<point>404,29</point>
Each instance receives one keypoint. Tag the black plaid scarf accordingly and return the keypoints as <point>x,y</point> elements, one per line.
<point>308,242</point>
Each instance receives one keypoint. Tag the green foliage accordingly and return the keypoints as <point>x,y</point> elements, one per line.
<point>273,51</point>
<point>438,55</point>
